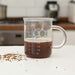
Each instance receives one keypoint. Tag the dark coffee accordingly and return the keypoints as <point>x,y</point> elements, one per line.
<point>38,49</point>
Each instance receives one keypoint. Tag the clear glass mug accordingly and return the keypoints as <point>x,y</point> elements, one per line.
<point>38,37</point>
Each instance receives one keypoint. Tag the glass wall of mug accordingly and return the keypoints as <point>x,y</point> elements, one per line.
<point>38,37</point>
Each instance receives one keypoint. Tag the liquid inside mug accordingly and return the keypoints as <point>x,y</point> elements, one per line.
<point>38,37</point>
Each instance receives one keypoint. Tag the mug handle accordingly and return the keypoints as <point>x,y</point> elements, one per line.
<point>64,33</point>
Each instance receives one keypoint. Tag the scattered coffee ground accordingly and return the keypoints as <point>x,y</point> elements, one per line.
<point>0,57</point>
<point>12,57</point>
<point>56,67</point>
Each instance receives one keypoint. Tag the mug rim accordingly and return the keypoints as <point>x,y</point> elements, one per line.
<point>37,19</point>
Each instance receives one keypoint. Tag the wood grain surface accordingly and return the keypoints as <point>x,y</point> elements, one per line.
<point>65,25</point>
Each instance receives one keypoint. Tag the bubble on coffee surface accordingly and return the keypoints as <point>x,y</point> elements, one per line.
<point>38,40</point>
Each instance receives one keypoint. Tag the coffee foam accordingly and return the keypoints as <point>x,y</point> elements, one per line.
<point>37,40</point>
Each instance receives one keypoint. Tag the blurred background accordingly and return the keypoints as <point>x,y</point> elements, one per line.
<point>13,11</point>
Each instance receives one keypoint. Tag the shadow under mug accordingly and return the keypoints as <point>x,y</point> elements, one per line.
<point>38,37</point>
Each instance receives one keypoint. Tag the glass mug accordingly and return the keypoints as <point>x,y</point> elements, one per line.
<point>38,37</point>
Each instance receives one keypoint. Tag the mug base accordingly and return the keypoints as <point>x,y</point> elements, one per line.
<point>38,57</point>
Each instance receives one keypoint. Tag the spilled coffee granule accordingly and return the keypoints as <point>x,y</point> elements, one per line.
<point>56,67</point>
<point>0,57</point>
<point>12,57</point>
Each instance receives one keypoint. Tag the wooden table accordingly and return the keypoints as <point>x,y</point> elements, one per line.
<point>65,25</point>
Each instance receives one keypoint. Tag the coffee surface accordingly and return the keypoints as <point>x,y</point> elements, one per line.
<point>39,48</point>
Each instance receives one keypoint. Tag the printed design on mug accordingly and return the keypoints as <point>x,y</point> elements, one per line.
<point>37,30</point>
<point>36,33</point>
